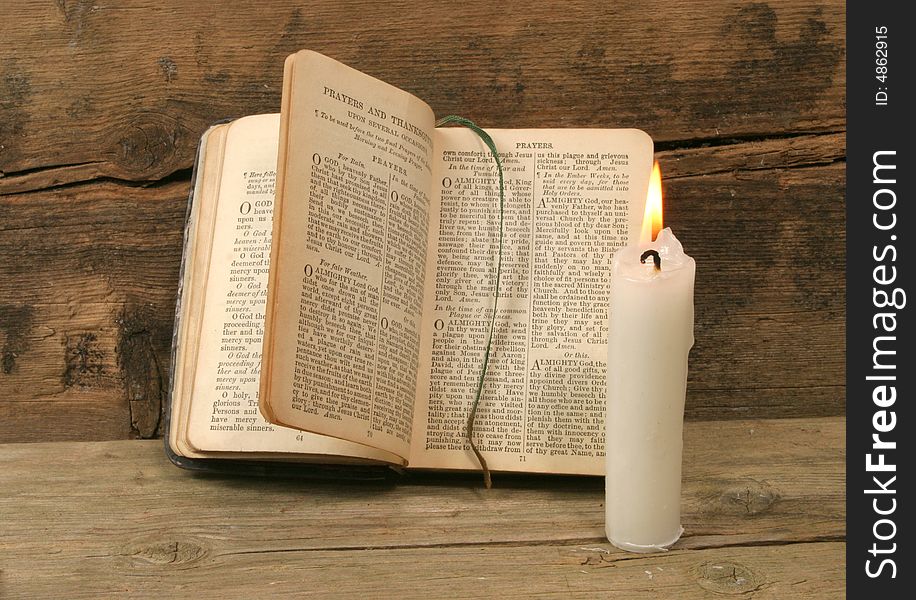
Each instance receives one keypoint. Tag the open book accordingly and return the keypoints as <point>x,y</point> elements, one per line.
<point>339,276</point>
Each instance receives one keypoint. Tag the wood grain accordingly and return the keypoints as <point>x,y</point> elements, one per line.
<point>766,518</point>
<point>184,570</point>
<point>770,290</point>
<point>86,310</point>
<point>101,107</point>
<point>123,90</point>
<point>85,331</point>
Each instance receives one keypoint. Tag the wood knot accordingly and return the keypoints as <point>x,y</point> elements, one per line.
<point>15,334</point>
<point>83,359</point>
<point>138,360</point>
<point>748,497</point>
<point>727,577</point>
<point>149,148</point>
<point>167,553</point>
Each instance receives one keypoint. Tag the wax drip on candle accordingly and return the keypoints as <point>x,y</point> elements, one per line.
<point>650,333</point>
<point>656,258</point>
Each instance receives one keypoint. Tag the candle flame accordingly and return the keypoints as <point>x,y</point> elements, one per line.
<point>652,219</point>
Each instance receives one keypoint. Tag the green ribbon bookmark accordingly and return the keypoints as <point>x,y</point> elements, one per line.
<point>469,430</point>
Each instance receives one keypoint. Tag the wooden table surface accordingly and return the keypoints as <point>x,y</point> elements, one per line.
<point>763,513</point>
<point>101,107</point>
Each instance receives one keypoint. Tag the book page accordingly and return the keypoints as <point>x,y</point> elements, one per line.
<point>571,198</point>
<point>194,269</point>
<point>229,286</point>
<point>348,257</point>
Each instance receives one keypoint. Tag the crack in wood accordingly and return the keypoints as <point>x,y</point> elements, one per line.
<point>11,183</point>
<point>48,168</point>
<point>83,226</point>
<point>9,187</point>
<point>615,556</point>
<point>733,140</point>
<point>696,543</point>
<point>800,166</point>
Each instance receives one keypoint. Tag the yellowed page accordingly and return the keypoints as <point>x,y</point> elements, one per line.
<point>222,395</point>
<point>572,197</point>
<point>349,249</point>
<point>282,152</point>
<point>199,237</point>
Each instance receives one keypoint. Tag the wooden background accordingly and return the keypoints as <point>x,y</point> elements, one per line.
<point>102,104</point>
<point>101,107</point>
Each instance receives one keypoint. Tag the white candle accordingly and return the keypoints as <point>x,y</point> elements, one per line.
<point>651,333</point>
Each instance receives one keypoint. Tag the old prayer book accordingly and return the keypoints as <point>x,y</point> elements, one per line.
<point>339,278</point>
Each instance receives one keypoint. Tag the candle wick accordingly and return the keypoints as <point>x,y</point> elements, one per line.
<point>655,258</point>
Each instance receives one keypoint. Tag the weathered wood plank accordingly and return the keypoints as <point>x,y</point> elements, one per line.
<point>770,250</point>
<point>795,152</point>
<point>776,480</point>
<point>124,90</point>
<point>180,570</point>
<point>115,517</point>
<point>86,309</point>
